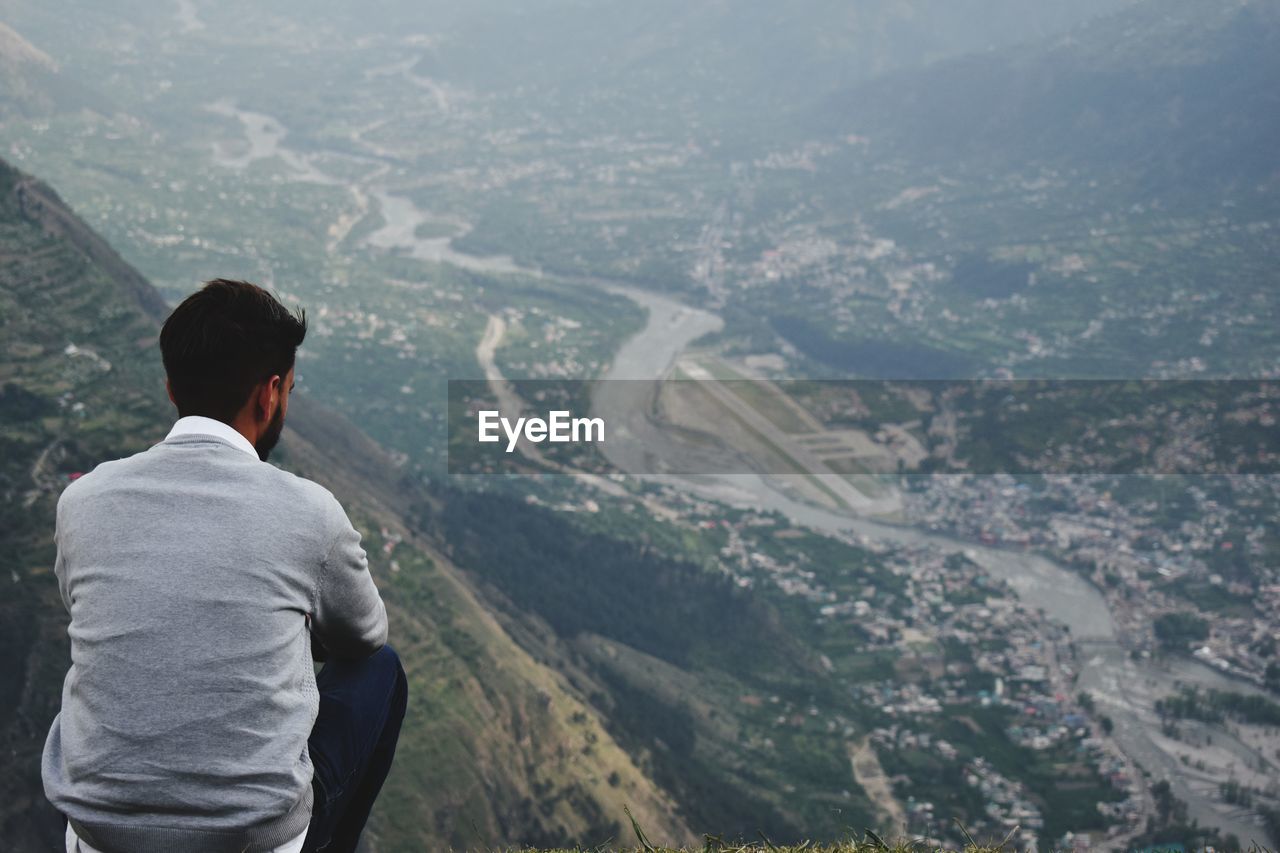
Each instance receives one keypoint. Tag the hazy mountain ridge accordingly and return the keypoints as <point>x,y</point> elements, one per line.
<point>1181,92</point>
<point>710,67</point>
<point>834,40</point>
<point>689,68</point>
<point>31,82</point>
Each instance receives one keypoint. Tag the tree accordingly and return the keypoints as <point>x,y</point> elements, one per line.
<point>1176,630</point>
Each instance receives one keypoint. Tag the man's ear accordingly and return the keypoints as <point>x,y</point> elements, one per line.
<point>169,390</point>
<point>267,396</point>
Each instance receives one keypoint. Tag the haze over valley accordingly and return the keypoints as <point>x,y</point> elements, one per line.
<point>810,593</point>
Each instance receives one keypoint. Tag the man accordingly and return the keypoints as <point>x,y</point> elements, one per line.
<point>199,581</point>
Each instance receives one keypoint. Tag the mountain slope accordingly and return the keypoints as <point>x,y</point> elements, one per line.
<point>497,745</point>
<point>498,748</point>
<point>74,388</point>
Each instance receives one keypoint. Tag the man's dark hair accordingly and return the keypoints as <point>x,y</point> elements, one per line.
<point>222,341</point>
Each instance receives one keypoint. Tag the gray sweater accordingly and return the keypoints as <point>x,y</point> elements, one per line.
<point>191,572</point>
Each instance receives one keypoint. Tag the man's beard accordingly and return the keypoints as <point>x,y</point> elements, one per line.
<point>271,435</point>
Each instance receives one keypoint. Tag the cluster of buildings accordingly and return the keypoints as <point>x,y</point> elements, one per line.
<point>959,639</point>
<point>1194,546</point>
<point>1009,808</point>
<point>1008,802</point>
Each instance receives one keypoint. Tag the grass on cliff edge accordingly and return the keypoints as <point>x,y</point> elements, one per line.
<point>762,847</point>
<point>869,843</point>
<point>864,846</point>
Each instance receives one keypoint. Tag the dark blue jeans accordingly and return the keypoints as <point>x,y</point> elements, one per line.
<point>362,704</point>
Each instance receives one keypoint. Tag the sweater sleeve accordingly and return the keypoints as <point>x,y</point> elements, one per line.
<point>59,560</point>
<point>349,617</point>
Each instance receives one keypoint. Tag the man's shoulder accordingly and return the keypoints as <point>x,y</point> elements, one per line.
<point>269,481</point>
<point>102,474</point>
<point>308,492</point>
<point>304,497</point>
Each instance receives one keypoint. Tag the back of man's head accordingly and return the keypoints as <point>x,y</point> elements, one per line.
<point>222,341</point>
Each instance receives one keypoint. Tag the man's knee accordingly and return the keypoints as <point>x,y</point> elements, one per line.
<point>380,674</point>
<point>389,667</point>
<point>387,663</point>
<point>386,658</point>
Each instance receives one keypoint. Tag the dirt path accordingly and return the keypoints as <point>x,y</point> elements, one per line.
<point>868,773</point>
<point>339,230</point>
<point>509,401</point>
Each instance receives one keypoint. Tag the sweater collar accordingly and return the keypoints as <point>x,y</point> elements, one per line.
<point>199,425</point>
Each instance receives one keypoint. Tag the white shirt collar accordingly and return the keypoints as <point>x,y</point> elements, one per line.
<point>200,425</point>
